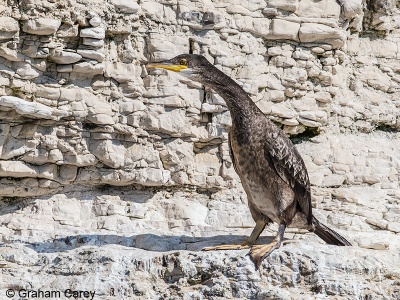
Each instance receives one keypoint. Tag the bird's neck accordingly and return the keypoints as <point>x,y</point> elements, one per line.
<point>240,105</point>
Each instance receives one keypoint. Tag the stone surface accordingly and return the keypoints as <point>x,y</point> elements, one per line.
<point>126,6</point>
<point>113,177</point>
<point>64,57</point>
<point>41,26</point>
<point>311,32</point>
<point>8,28</point>
<point>284,30</point>
<point>94,33</point>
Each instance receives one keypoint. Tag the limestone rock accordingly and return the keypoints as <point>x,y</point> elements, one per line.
<point>23,107</point>
<point>41,26</point>
<point>64,57</point>
<point>290,5</point>
<point>9,27</point>
<point>92,54</point>
<point>93,42</point>
<point>312,32</point>
<point>95,21</point>
<point>284,30</point>
<point>94,33</point>
<point>323,8</point>
<point>126,6</point>
<point>89,68</point>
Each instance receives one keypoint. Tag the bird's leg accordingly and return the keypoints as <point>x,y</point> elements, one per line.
<point>260,225</point>
<point>259,252</point>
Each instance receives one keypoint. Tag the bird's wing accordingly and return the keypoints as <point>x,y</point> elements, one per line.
<point>288,164</point>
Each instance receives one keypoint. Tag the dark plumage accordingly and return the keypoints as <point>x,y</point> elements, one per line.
<point>271,170</point>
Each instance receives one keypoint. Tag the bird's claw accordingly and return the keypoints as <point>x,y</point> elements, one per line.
<point>258,253</point>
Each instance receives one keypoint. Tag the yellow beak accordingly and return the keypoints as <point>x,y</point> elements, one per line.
<point>175,68</point>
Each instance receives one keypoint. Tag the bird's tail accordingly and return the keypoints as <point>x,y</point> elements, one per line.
<point>328,235</point>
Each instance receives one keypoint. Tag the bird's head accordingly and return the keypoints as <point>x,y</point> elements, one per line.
<point>193,66</point>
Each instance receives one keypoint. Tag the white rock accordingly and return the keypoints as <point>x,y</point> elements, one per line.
<point>274,95</point>
<point>284,30</point>
<point>67,30</point>
<point>88,68</point>
<point>23,107</point>
<point>318,50</point>
<point>122,72</point>
<point>132,106</point>
<point>126,6</point>
<point>394,226</point>
<point>47,92</point>
<point>282,61</point>
<point>257,26</point>
<point>92,54</point>
<point>308,122</point>
<point>324,97</point>
<point>65,57</point>
<point>285,50</point>
<point>295,75</point>
<point>303,54</point>
<point>312,32</point>
<point>101,119</point>
<point>333,180</point>
<point>260,26</point>
<point>328,61</point>
<point>173,122</point>
<point>41,26</point>
<point>351,8</point>
<point>211,108</point>
<point>322,9</point>
<point>95,21</point>
<point>287,5</point>
<point>92,42</point>
<point>25,71</point>
<point>9,27</point>
<point>281,110</point>
<point>16,169</point>
<point>153,177</point>
<point>109,153</point>
<point>290,122</point>
<point>94,33</point>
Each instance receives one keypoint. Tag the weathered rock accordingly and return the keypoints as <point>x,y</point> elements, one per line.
<point>95,21</point>
<point>126,6</point>
<point>9,27</point>
<point>94,33</point>
<point>320,9</point>
<point>290,5</point>
<point>93,42</point>
<point>23,107</point>
<point>90,68</point>
<point>284,30</point>
<point>41,26</point>
<point>92,54</point>
<point>64,57</point>
<point>311,32</point>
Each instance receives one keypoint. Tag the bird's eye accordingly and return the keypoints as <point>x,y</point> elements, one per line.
<point>183,62</point>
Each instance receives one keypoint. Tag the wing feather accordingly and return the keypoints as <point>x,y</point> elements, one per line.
<point>288,164</point>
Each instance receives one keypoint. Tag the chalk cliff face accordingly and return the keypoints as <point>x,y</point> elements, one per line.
<point>113,177</point>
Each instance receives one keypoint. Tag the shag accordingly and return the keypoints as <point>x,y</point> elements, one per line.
<point>270,168</point>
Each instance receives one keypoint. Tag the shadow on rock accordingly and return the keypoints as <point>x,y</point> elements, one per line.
<point>147,241</point>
